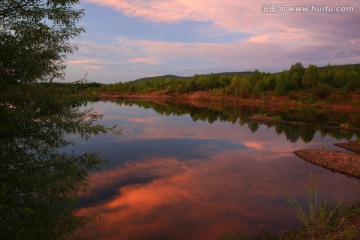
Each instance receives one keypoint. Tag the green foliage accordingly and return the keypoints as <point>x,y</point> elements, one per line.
<point>353,81</point>
<point>39,183</point>
<point>245,87</point>
<point>224,81</point>
<point>235,85</point>
<point>317,211</point>
<point>270,82</point>
<point>323,91</point>
<point>327,76</point>
<point>317,218</point>
<point>311,77</point>
<point>296,73</point>
<point>202,82</point>
<point>313,85</point>
<point>255,77</point>
<point>259,89</point>
<point>34,38</point>
<point>307,134</point>
<point>340,79</point>
<point>284,85</point>
<point>320,221</point>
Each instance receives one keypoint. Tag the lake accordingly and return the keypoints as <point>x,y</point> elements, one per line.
<point>182,171</point>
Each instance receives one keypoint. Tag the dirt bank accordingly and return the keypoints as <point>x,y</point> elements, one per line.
<point>345,163</point>
<point>353,146</point>
<point>337,161</point>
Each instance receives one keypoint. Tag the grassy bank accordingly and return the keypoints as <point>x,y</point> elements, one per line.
<point>320,221</point>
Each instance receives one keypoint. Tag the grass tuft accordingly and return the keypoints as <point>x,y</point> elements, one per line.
<point>320,220</point>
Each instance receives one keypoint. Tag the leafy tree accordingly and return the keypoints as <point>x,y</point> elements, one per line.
<point>213,81</point>
<point>34,38</point>
<point>353,81</point>
<point>340,79</point>
<point>244,87</point>
<point>202,82</point>
<point>270,82</point>
<point>328,76</point>
<point>283,84</point>
<point>191,87</point>
<point>296,73</point>
<point>311,77</point>
<point>224,81</point>
<point>259,88</point>
<point>39,183</point>
<point>168,81</point>
<point>235,85</point>
<point>254,78</point>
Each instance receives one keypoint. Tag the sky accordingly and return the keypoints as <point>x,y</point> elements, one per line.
<point>129,39</point>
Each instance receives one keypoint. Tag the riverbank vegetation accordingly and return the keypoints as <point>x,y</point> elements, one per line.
<point>335,84</point>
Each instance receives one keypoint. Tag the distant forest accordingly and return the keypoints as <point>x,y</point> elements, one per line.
<point>338,83</point>
<point>321,81</point>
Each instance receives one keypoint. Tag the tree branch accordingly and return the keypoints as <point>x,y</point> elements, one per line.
<point>9,10</point>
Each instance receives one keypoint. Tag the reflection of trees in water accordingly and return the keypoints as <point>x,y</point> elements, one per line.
<point>307,134</point>
<point>38,183</point>
<point>315,118</point>
<point>253,126</point>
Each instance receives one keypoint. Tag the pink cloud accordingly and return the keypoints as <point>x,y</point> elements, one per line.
<point>271,50</point>
<point>258,39</point>
<point>89,63</point>
<point>83,61</point>
<point>93,67</point>
<point>255,145</point>
<point>267,51</point>
<point>146,60</point>
<point>153,167</point>
<point>235,16</point>
<point>159,10</point>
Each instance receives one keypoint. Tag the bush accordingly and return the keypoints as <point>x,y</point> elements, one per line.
<point>323,91</point>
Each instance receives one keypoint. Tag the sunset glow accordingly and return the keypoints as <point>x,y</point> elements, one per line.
<point>136,39</point>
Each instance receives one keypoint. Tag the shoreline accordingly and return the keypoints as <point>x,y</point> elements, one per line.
<point>347,163</point>
<point>336,161</point>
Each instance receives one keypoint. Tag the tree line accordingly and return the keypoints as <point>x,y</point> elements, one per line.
<point>319,81</point>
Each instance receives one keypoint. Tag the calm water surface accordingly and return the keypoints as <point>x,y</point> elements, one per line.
<point>170,177</point>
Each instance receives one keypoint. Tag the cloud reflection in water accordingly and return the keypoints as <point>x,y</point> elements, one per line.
<point>224,178</point>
